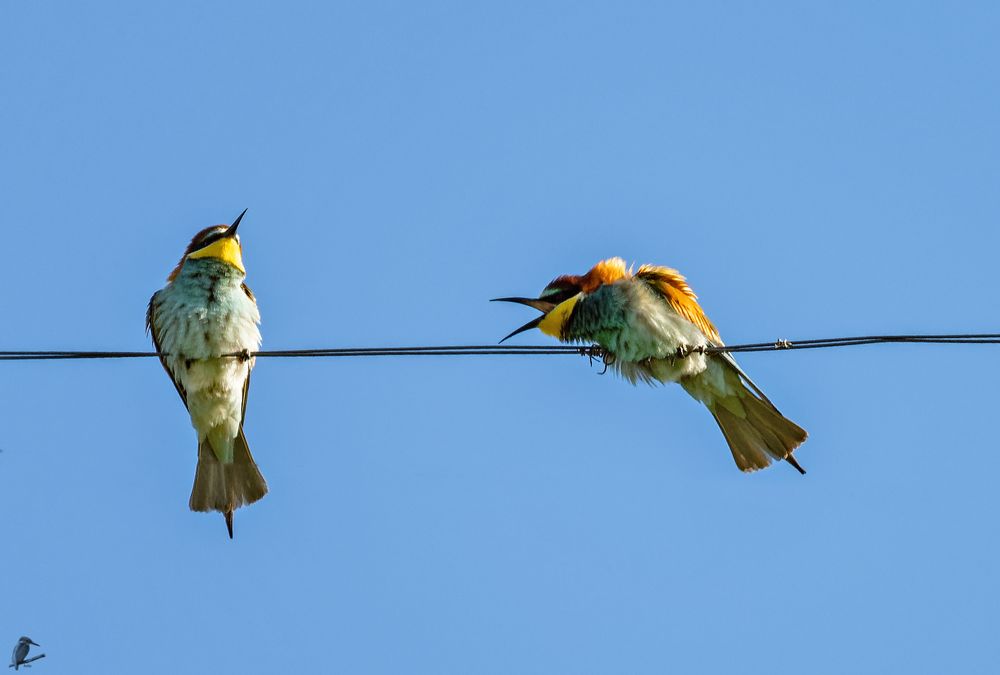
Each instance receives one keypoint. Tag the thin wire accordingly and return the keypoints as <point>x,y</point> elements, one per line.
<point>50,355</point>
<point>456,350</point>
<point>593,351</point>
<point>981,338</point>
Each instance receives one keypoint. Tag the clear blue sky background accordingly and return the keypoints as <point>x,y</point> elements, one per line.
<point>815,171</point>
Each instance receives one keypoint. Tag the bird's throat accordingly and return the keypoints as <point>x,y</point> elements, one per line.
<point>555,321</point>
<point>226,249</point>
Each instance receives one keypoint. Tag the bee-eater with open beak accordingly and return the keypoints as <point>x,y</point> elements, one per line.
<point>204,313</point>
<point>647,323</point>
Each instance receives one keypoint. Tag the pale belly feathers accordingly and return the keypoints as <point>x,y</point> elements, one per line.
<point>202,315</point>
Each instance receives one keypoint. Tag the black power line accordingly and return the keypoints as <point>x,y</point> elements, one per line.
<point>592,351</point>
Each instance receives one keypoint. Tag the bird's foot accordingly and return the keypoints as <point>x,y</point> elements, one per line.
<point>684,351</point>
<point>609,360</point>
<point>592,352</point>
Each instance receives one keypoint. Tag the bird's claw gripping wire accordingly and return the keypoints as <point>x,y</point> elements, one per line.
<point>243,355</point>
<point>609,360</point>
<point>598,352</point>
<point>592,352</point>
<point>685,351</point>
<point>783,344</point>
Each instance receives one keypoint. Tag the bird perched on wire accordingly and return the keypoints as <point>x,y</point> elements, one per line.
<point>204,313</point>
<point>650,328</point>
<point>21,650</point>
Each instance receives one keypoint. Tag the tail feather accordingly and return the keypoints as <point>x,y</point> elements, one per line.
<point>757,433</point>
<point>760,436</point>
<point>225,487</point>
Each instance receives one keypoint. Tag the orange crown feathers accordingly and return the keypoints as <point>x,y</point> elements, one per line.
<point>605,272</point>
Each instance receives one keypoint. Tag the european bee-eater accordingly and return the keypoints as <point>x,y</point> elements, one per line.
<point>648,323</point>
<point>204,313</point>
<point>21,650</point>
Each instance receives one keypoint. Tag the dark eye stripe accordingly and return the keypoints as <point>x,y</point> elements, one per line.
<point>557,295</point>
<point>210,239</point>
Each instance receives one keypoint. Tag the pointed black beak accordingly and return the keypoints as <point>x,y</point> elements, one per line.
<point>34,643</point>
<point>542,306</point>
<point>528,326</point>
<point>231,232</point>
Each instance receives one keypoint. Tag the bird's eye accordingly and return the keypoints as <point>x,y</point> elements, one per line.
<point>558,295</point>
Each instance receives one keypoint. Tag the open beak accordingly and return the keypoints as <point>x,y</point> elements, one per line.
<point>231,232</point>
<point>542,306</point>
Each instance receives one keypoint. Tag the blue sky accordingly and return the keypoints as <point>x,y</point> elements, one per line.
<point>816,169</point>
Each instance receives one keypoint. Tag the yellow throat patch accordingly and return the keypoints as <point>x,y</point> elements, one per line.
<point>226,249</point>
<point>554,321</point>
